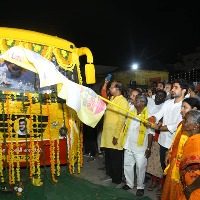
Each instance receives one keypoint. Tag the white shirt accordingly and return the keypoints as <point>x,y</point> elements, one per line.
<point>132,136</point>
<point>150,105</point>
<point>20,133</point>
<point>187,95</point>
<point>170,112</point>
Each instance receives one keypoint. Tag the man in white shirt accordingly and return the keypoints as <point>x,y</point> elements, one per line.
<point>154,166</point>
<point>171,117</point>
<point>138,140</point>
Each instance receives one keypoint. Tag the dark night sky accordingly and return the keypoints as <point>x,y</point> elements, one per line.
<point>117,32</point>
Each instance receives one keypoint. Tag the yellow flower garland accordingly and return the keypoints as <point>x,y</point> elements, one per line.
<point>80,161</point>
<point>38,149</point>
<point>10,144</point>
<point>32,143</point>
<point>1,163</point>
<point>74,138</point>
<point>17,144</point>
<point>2,142</point>
<point>52,147</point>
<point>57,144</point>
<point>70,150</point>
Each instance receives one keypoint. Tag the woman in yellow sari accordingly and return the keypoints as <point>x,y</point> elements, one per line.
<point>190,162</point>
<point>172,187</point>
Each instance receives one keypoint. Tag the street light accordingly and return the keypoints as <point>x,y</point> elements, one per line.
<point>133,81</point>
<point>135,66</point>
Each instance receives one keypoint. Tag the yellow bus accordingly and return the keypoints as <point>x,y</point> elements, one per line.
<point>36,127</point>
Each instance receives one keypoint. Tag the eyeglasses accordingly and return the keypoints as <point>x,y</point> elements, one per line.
<point>112,87</point>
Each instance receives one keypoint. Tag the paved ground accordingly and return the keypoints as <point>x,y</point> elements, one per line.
<point>91,172</point>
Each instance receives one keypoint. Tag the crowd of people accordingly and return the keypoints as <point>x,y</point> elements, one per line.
<point>156,134</point>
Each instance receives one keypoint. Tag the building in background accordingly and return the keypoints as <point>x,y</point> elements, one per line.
<point>140,78</point>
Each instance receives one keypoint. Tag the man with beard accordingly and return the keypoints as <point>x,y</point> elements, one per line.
<point>154,166</point>
<point>171,117</point>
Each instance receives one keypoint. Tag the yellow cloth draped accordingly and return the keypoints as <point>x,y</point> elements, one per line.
<point>190,157</point>
<point>175,174</point>
<point>141,135</point>
<point>172,188</point>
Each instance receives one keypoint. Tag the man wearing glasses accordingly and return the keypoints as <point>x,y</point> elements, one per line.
<point>110,140</point>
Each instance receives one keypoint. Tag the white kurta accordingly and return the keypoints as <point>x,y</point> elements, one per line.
<point>135,154</point>
<point>170,112</point>
<point>132,137</point>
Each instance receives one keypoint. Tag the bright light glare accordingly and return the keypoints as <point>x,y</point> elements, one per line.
<point>134,66</point>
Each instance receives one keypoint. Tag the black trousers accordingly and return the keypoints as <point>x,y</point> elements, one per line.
<point>114,164</point>
<point>90,140</point>
<point>163,151</point>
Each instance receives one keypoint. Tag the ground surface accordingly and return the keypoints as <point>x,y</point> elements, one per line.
<point>78,186</point>
<point>91,172</point>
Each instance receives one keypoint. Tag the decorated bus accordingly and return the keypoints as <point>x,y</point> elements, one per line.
<point>37,127</point>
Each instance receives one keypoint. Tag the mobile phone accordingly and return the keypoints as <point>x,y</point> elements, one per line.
<point>108,77</point>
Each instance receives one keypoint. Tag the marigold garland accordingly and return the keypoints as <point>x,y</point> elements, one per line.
<point>79,152</point>
<point>57,142</point>
<point>61,56</point>
<point>70,151</point>
<point>69,141</point>
<point>32,143</point>
<point>24,110</point>
<point>58,157</point>
<point>52,142</point>
<point>68,61</point>
<point>7,44</point>
<point>17,160</point>
<point>17,144</point>
<point>1,163</point>
<point>74,136</point>
<point>80,155</point>
<point>74,143</point>
<point>10,144</point>
<point>66,124</point>
<point>42,136</point>
<point>38,172</point>
<point>2,138</point>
